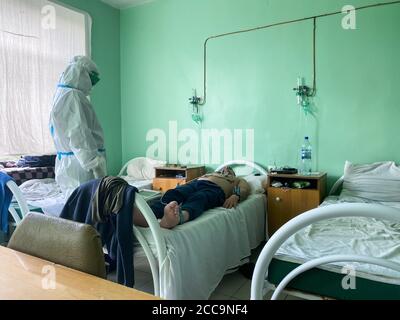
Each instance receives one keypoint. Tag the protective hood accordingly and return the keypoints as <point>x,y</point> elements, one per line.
<point>77,74</point>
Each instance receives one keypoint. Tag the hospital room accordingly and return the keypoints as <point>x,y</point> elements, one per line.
<point>200,150</point>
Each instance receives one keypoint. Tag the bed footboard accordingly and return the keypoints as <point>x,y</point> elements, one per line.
<point>155,262</point>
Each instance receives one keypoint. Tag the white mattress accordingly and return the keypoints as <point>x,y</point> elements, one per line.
<point>201,251</point>
<point>139,184</point>
<point>352,235</point>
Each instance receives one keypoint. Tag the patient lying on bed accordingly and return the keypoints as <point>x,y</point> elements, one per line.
<point>187,202</point>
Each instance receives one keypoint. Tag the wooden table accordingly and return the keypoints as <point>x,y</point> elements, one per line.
<point>24,277</point>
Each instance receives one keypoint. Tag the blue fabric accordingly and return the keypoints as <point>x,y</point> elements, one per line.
<point>116,234</point>
<point>37,161</point>
<point>5,200</point>
<point>64,154</point>
<point>68,154</point>
<point>195,197</point>
<point>65,86</point>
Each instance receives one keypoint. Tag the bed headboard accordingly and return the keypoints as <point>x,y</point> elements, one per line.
<point>246,163</point>
<point>336,187</point>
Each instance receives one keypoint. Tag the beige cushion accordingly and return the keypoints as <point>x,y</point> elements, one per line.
<point>71,244</point>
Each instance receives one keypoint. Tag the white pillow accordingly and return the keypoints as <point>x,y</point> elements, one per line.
<point>255,183</point>
<point>143,168</point>
<point>378,181</point>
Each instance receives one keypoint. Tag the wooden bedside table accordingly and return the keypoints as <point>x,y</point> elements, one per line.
<point>285,203</point>
<point>170,177</point>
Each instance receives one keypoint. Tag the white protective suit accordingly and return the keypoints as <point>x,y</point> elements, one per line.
<point>77,134</point>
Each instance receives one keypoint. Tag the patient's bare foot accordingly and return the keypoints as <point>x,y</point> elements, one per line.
<point>171,215</point>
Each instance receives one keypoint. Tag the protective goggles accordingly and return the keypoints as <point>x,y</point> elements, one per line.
<point>94,77</point>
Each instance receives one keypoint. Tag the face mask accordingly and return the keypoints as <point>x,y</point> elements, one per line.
<point>94,77</point>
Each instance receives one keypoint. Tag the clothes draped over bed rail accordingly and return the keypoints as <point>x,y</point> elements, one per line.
<point>108,199</point>
<point>116,230</point>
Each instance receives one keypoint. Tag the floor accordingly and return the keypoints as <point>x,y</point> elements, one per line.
<point>233,286</point>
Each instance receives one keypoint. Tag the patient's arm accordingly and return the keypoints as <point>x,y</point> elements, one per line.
<point>231,202</point>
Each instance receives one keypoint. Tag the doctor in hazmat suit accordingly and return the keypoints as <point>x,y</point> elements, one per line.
<point>77,134</point>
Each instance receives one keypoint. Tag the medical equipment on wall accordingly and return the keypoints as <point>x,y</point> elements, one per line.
<point>195,103</point>
<point>303,93</point>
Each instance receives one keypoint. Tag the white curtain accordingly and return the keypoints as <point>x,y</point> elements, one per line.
<point>37,40</point>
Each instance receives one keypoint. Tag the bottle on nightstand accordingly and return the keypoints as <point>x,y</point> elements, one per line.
<point>306,157</point>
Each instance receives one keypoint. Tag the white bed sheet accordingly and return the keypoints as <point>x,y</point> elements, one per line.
<point>200,252</point>
<point>353,235</point>
<point>139,184</point>
<point>44,194</point>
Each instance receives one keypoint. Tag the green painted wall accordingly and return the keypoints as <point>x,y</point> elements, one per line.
<point>251,76</point>
<point>106,96</point>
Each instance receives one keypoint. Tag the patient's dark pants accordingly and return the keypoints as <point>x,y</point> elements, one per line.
<point>195,197</point>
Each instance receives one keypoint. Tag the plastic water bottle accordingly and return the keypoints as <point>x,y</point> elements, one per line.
<point>306,157</point>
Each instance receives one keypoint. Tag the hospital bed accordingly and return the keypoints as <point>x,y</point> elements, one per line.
<point>314,255</point>
<point>189,261</point>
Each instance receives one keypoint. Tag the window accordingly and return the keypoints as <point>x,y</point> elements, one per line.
<point>37,40</point>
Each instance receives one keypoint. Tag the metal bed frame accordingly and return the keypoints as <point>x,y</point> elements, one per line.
<point>23,206</point>
<point>260,284</point>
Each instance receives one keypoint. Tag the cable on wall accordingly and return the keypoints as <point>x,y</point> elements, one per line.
<point>202,101</point>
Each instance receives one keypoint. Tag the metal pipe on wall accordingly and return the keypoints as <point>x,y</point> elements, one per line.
<point>314,18</point>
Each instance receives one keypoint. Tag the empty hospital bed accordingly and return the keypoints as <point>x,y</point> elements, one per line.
<point>348,248</point>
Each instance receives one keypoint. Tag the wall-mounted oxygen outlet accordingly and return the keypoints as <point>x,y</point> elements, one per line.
<point>303,93</point>
<point>195,105</point>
